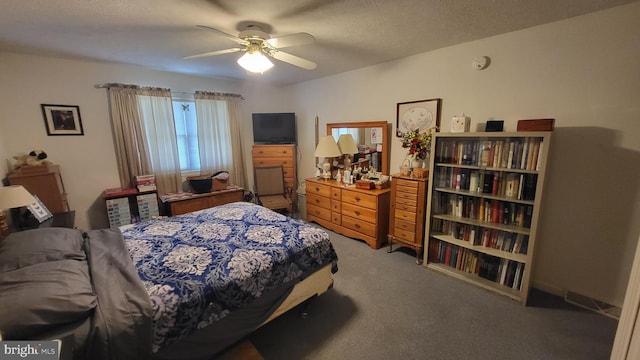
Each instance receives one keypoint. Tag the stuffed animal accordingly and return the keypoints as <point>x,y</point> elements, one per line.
<point>34,158</point>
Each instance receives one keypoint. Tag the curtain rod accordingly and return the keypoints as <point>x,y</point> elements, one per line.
<point>108,85</point>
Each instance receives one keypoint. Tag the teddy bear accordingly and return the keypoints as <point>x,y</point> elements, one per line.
<point>33,158</point>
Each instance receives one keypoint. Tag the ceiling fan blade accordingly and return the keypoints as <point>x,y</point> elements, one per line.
<point>212,53</point>
<point>294,60</point>
<point>291,40</point>
<point>224,34</point>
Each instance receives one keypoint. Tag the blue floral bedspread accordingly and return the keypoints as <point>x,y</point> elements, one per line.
<point>200,266</point>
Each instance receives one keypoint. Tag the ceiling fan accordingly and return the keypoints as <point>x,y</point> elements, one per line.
<point>259,46</point>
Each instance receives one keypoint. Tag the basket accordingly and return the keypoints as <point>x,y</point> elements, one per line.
<point>420,173</point>
<point>405,168</point>
<point>200,184</point>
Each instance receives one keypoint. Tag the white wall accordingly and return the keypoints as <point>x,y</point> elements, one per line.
<point>584,73</point>
<point>88,163</point>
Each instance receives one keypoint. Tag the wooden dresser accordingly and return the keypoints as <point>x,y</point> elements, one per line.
<point>357,213</point>
<point>408,203</point>
<point>281,154</point>
<point>45,182</point>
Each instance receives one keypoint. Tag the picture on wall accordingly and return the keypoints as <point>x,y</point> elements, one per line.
<point>62,119</point>
<point>421,115</point>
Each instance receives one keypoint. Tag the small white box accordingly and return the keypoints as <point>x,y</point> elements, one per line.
<point>460,123</point>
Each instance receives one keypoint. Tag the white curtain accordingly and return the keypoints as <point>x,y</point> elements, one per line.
<point>355,132</point>
<point>144,133</point>
<point>219,135</point>
<point>156,115</point>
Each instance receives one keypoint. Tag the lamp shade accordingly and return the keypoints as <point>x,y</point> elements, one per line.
<point>347,145</point>
<point>327,147</point>
<point>14,196</point>
<point>255,61</point>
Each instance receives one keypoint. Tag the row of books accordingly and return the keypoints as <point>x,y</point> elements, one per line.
<point>508,185</point>
<point>517,153</point>
<point>487,210</point>
<point>505,272</point>
<point>478,236</point>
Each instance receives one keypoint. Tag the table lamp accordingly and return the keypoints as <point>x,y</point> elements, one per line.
<point>327,148</point>
<point>347,147</point>
<point>12,196</point>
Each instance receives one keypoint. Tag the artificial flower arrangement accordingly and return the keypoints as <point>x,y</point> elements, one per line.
<point>418,143</point>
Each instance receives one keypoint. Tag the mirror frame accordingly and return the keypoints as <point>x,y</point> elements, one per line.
<point>369,124</point>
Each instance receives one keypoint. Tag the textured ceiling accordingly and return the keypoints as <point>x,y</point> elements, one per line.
<point>349,34</point>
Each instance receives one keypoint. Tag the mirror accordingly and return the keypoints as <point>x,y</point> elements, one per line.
<point>371,137</point>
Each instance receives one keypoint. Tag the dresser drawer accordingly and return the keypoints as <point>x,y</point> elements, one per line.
<point>406,183</point>
<point>272,151</point>
<point>320,201</point>
<point>406,204</point>
<point>404,234</point>
<point>318,189</point>
<point>404,225</point>
<point>336,206</point>
<point>359,212</point>
<point>412,196</point>
<point>287,164</point>
<point>336,194</point>
<point>358,225</point>
<point>360,199</point>
<point>318,211</point>
<point>336,218</point>
<point>405,215</point>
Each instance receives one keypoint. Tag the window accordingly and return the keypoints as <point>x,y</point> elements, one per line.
<point>184,113</point>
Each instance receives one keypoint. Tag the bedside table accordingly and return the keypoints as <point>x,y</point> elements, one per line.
<point>64,219</point>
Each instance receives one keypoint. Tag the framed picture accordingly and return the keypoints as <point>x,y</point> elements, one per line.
<point>39,211</point>
<point>421,114</point>
<point>62,119</point>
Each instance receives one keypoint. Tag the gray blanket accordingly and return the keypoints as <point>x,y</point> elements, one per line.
<point>63,283</point>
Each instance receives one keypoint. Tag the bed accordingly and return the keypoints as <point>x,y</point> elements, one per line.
<point>181,287</point>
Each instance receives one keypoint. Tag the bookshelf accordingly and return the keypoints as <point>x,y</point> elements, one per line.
<point>485,193</point>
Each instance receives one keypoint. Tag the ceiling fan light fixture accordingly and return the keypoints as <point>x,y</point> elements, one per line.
<point>255,61</point>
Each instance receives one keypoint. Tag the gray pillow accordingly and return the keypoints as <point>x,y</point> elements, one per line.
<point>41,296</point>
<point>30,247</point>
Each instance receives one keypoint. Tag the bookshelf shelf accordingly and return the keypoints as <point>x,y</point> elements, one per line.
<point>484,203</point>
<point>486,284</point>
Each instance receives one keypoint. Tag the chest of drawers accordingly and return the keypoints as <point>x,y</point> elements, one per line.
<point>406,224</point>
<point>357,213</point>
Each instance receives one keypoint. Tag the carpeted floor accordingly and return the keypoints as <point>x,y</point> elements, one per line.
<point>384,306</point>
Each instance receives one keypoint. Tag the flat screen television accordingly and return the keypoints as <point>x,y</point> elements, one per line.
<point>274,128</point>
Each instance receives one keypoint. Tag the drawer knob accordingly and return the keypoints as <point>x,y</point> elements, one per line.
<point>358,226</point>
<point>357,199</point>
<point>317,201</point>
<point>357,213</point>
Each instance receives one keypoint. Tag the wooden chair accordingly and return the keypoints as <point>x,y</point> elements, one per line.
<point>271,190</point>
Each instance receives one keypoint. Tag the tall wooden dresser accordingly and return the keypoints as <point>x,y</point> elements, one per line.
<point>280,154</point>
<point>45,182</point>
<point>408,203</point>
<point>357,213</point>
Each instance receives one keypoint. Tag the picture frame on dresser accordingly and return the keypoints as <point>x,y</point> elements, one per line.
<point>62,119</point>
<point>420,114</point>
